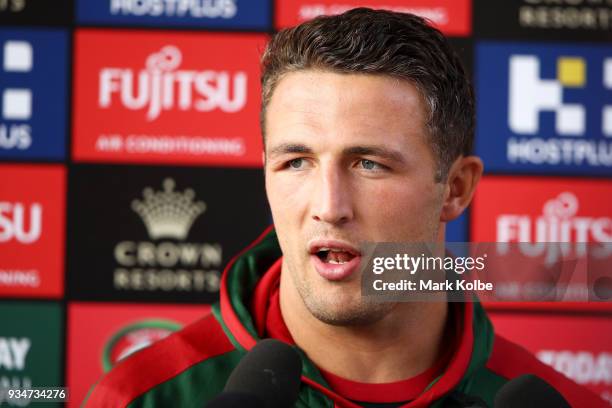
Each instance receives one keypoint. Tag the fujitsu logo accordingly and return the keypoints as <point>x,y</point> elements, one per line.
<point>161,86</point>
<point>168,213</point>
<point>24,223</point>
<point>559,222</point>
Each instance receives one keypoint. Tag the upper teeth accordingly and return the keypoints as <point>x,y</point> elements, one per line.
<point>332,249</point>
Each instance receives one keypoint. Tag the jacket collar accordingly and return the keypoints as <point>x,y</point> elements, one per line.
<point>238,284</point>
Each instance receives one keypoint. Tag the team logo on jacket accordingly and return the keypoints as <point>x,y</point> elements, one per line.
<point>135,337</point>
<point>545,108</point>
<point>168,261</point>
<point>167,98</point>
<point>33,93</point>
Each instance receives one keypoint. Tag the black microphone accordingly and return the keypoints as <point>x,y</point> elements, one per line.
<point>529,391</point>
<point>268,376</point>
<point>458,399</point>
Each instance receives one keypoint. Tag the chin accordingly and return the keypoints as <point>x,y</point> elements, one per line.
<point>347,312</point>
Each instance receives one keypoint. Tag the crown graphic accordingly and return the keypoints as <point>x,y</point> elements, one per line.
<point>168,213</point>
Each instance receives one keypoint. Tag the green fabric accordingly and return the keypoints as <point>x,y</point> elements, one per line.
<point>198,384</point>
<point>193,387</point>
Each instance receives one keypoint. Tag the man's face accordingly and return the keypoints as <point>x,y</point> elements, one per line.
<point>347,161</point>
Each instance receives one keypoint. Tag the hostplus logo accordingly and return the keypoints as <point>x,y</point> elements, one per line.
<point>171,8</point>
<point>162,86</point>
<point>33,92</point>
<point>544,108</point>
<point>167,261</point>
<point>530,95</point>
<point>16,101</point>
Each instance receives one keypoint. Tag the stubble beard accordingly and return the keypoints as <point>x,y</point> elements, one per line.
<point>355,311</point>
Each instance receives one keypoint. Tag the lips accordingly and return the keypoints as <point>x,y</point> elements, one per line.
<point>334,260</point>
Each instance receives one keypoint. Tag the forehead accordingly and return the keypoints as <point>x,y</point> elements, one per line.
<point>334,104</point>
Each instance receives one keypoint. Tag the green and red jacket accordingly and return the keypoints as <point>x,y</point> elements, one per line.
<point>191,366</point>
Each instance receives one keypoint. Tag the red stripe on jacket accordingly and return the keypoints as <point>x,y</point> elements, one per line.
<point>160,362</point>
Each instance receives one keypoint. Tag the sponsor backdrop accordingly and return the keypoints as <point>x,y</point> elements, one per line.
<point>131,171</point>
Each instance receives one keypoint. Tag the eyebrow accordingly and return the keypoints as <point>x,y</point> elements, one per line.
<point>287,148</point>
<point>377,151</point>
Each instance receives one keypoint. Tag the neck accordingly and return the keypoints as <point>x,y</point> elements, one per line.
<point>404,343</point>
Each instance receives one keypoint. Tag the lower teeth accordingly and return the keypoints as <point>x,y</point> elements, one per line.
<point>331,261</point>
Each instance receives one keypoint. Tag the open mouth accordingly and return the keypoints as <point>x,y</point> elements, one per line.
<point>334,260</point>
<point>334,255</point>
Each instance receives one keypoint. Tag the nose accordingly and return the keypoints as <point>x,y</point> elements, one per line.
<point>332,199</point>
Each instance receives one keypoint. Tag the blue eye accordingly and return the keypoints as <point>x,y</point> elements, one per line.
<point>369,164</point>
<point>296,163</point>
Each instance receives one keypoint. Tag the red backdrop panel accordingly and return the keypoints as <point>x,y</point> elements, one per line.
<point>167,97</point>
<point>32,230</point>
<point>580,346</point>
<point>538,209</point>
<point>453,17</point>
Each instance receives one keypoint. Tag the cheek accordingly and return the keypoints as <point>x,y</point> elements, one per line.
<point>392,197</point>
<point>287,197</point>
<point>399,207</point>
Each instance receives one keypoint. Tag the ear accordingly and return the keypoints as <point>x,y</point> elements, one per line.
<point>463,176</point>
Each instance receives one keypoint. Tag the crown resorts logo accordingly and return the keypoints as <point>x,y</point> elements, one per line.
<point>582,15</point>
<point>12,6</point>
<point>16,102</point>
<point>530,95</point>
<point>167,262</point>
<point>168,213</point>
<point>161,86</point>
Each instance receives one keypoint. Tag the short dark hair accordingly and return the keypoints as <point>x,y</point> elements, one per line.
<point>382,42</point>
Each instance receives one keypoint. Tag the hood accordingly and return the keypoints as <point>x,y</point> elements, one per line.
<point>234,313</point>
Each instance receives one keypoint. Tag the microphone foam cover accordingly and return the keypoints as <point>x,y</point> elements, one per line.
<point>529,391</point>
<point>272,371</point>
<point>236,400</point>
